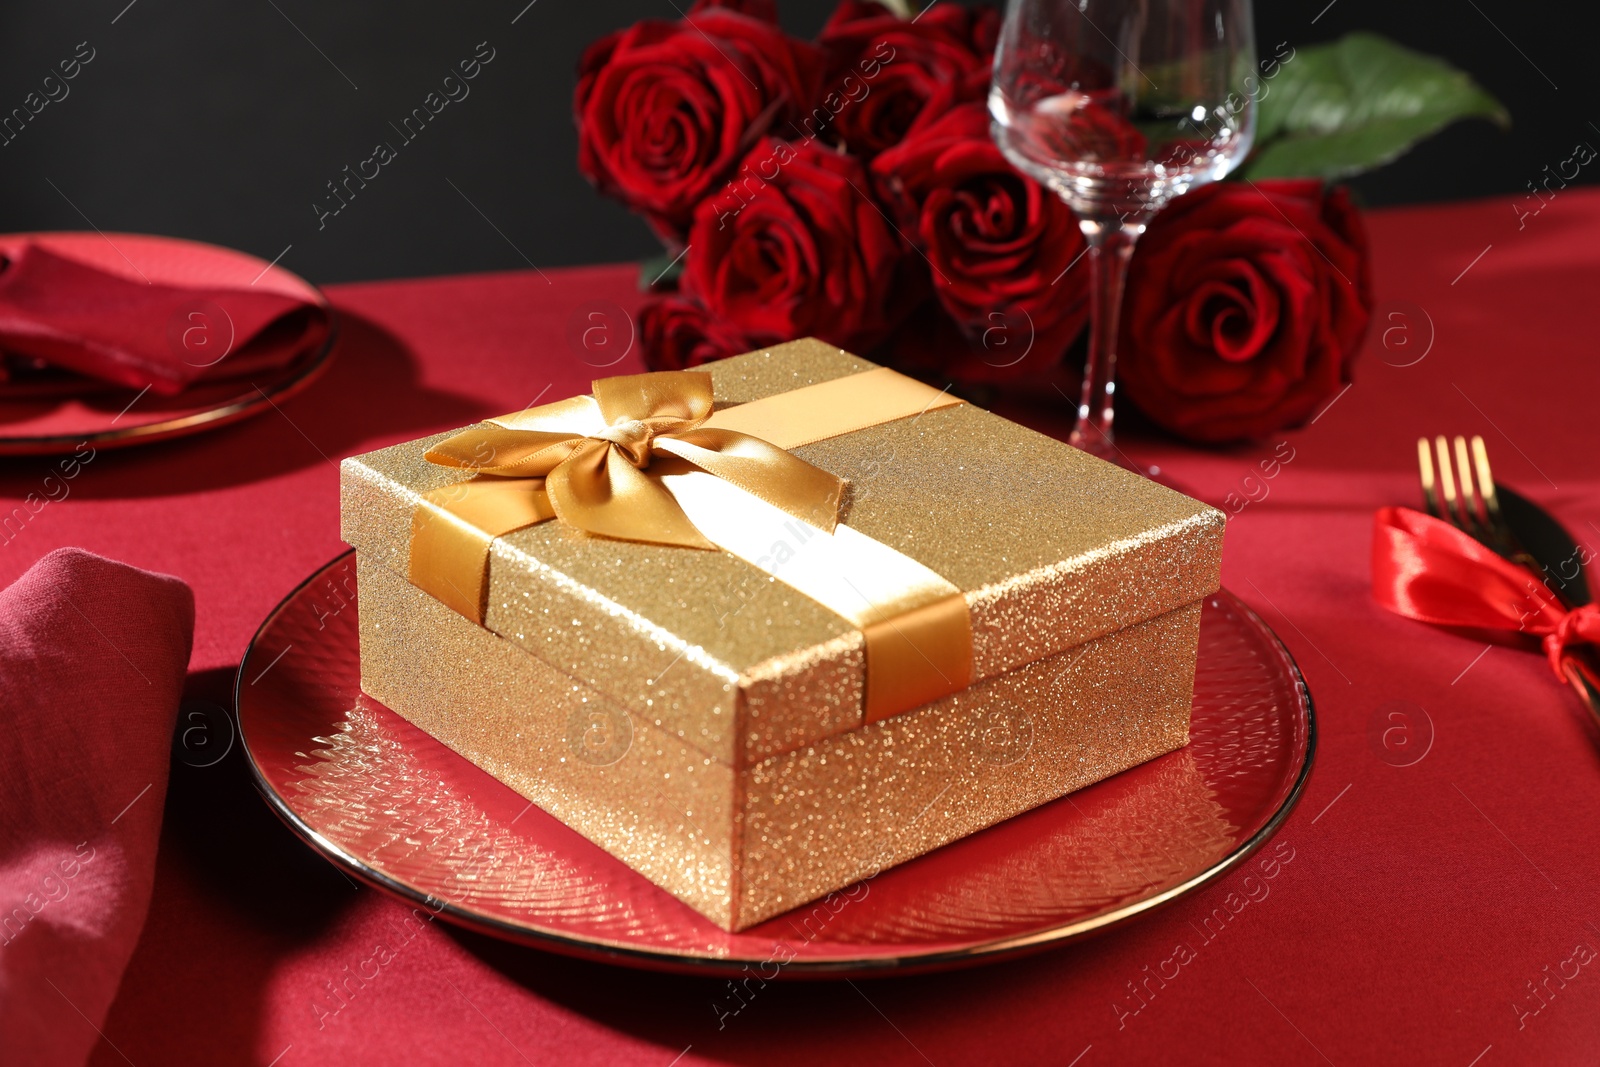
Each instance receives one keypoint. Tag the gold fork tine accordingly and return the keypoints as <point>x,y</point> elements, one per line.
<point>1430,488</point>
<point>1504,541</point>
<point>1471,506</point>
<point>1486,490</point>
<point>1447,480</point>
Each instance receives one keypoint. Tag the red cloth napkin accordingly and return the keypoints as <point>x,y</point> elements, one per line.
<point>84,319</point>
<point>92,661</point>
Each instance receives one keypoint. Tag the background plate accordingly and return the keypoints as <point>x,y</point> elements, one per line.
<point>390,804</point>
<point>113,417</point>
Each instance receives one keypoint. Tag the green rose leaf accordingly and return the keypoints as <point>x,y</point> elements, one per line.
<point>1338,109</point>
<point>660,273</point>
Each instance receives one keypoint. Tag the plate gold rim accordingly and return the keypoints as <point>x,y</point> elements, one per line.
<point>694,962</point>
<point>226,413</point>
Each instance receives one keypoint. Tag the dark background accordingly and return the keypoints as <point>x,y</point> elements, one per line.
<point>223,122</point>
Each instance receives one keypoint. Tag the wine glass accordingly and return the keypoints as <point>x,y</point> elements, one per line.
<point>1118,106</point>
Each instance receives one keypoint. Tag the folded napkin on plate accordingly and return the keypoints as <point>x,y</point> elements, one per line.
<point>137,334</point>
<point>92,662</point>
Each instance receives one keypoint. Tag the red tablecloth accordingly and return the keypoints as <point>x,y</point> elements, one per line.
<point>1420,902</point>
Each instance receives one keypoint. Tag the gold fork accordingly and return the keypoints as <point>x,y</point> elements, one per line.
<point>1476,508</point>
<point>1472,505</point>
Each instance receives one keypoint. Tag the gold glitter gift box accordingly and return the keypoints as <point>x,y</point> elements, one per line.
<point>698,717</point>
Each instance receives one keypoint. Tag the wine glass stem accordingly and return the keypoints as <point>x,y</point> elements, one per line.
<point>1110,245</point>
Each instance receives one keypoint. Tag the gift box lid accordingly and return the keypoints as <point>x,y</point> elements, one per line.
<point>1049,546</point>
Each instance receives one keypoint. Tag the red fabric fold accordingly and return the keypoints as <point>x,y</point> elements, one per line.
<point>92,662</point>
<point>164,337</point>
<point>1426,569</point>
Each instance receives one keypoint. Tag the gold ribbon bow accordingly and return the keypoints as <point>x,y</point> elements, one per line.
<point>600,463</point>
<point>605,478</point>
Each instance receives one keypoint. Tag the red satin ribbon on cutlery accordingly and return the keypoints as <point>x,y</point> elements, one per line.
<point>1426,569</point>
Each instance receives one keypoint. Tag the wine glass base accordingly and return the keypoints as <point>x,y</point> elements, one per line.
<point>1105,447</point>
<point>1098,442</point>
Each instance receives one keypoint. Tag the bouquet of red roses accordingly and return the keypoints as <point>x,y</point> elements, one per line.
<point>848,189</point>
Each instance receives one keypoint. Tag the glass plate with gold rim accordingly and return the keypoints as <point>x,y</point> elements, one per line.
<point>53,418</point>
<point>389,804</point>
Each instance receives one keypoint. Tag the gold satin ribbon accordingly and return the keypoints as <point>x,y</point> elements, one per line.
<point>452,532</point>
<point>623,463</point>
<point>598,480</point>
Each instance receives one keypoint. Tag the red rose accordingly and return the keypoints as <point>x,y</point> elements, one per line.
<point>666,110</point>
<point>793,247</point>
<point>889,75</point>
<point>1245,307</point>
<point>680,333</point>
<point>1000,245</point>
